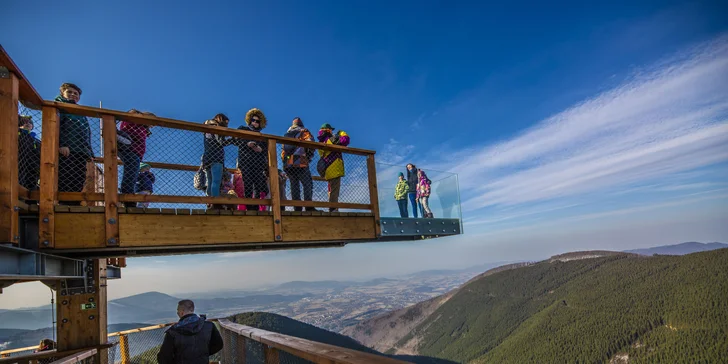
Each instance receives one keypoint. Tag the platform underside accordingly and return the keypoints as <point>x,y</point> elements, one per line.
<point>80,231</point>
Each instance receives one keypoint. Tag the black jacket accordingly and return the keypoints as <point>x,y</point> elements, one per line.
<point>412,180</point>
<point>190,341</point>
<point>28,159</point>
<point>247,157</point>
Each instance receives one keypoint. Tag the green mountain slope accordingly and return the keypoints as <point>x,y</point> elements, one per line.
<point>661,308</point>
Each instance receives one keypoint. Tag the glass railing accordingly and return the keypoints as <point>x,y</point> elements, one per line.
<point>444,200</point>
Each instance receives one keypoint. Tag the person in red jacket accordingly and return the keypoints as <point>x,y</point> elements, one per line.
<point>131,146</point>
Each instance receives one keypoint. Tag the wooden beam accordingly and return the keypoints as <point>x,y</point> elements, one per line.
<point>27,94</point>
<point>373,192</point>
<point>327,228</point>
<point>9,93</point>
<point>48,197</point>
<point>76,358</point>
<point>338,205</point>
<point>185,167</point>
<point>142,230</point>
<point>82,319</point>
<point>223,200</point>
<point>275,192</point>
<point>313,351</point>
<point>111,181</point>
<point>202,128</point>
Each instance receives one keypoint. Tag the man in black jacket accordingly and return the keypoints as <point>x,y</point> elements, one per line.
<point>191,340</point>
<point>412,184</point>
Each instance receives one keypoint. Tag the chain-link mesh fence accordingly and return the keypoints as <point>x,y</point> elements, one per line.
<point>29,142</point>
<point>167,161</point>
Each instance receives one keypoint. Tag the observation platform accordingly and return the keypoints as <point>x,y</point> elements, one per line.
<point>177,219</point>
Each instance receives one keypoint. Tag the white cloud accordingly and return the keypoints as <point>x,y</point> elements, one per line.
<point>394,152</point>
<point>668,119</point>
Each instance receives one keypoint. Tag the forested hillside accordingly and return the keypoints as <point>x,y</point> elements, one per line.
<point>660,308</point>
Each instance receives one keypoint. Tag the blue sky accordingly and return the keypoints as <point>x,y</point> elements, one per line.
<point>571,125</point>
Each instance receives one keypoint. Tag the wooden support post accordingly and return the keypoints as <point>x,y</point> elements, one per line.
<point>271,355</point>
<point>373,193</point>
<point>48,176</point>
<point>111,181</point>
<point>82,318</point>
<point>275,193</point>
<point>9,232</point>
<point>124,348</point>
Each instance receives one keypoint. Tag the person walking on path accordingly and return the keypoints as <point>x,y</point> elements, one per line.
<point>191,340</point>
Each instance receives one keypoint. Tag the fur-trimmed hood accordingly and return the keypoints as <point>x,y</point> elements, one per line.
<point>255,111</point>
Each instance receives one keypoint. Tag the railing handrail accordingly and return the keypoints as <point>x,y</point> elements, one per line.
<point>117,333</point>
<point>75,358</point>
<point>27,93</point>
<point>305,349</point>
<point>143,119</point>
<point>49,353</point>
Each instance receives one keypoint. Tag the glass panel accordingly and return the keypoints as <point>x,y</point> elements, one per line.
<point>444,200</point>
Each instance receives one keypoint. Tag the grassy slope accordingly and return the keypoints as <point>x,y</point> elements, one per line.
<point>587,310</point>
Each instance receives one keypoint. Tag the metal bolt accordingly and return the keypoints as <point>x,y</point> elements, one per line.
<point>65,321</point>
<point>278,221</point>
<point>430,230</point>
<point>385,223</point>
<point>418,231</point>
<point>401,231</point>
<point>91,299</point>
<point>453,222</point>
<point>64,293</point>
<point>45,219</point>
<point>112,221</point>
<point>16,237</point>
<point>385,231</point>
<point>46,243</point>
<point>91,317</point>
<point>429,223</point>
<point>454,230</point>
<point>112,240</point>
<point>65,302</point>
<point>443,230</point>
<point>401,222</point>
<point>16,208</point>
<point>278,237</point>
<point>417,222</point>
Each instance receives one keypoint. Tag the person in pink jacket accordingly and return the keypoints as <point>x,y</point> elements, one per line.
<point>239,188</point>
<point>423,193</point>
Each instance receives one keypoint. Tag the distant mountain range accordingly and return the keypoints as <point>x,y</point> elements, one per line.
<point>575,307</point>
<point>679,249</point>
<point>149,307</point>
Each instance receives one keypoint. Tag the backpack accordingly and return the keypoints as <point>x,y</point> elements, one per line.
<point>199,181</point>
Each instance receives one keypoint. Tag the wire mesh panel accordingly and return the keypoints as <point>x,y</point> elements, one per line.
<point>29,142</point>
<point>138,347</point>
<point>327,177</point>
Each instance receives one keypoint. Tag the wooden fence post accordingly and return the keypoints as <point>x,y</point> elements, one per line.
<point>50,141</point>
<point>9,231</point>
<point>111,181</point>
<point>373,193</point>
<point>275,193</point>
<point>271,355</point>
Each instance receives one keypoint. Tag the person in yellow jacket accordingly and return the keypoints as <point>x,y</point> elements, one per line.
<point>331,164</point>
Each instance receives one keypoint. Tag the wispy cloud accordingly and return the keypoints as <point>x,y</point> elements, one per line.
<point>667,119</point>
<point>395,152</point>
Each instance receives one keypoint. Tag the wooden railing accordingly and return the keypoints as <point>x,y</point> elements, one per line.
<point>49,195</point>
<point>66,357</point>
<point>274,343</point>
<point>233,350</point>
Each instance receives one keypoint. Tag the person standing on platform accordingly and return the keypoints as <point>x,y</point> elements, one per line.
<point>191,340</point>
<point>296,163</point>
<point>331,164</point>
<point>412,181</point>
<point>400,195</point>
<point>253,159</point>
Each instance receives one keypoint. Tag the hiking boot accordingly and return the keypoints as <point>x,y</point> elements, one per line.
<point>312,209</point>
